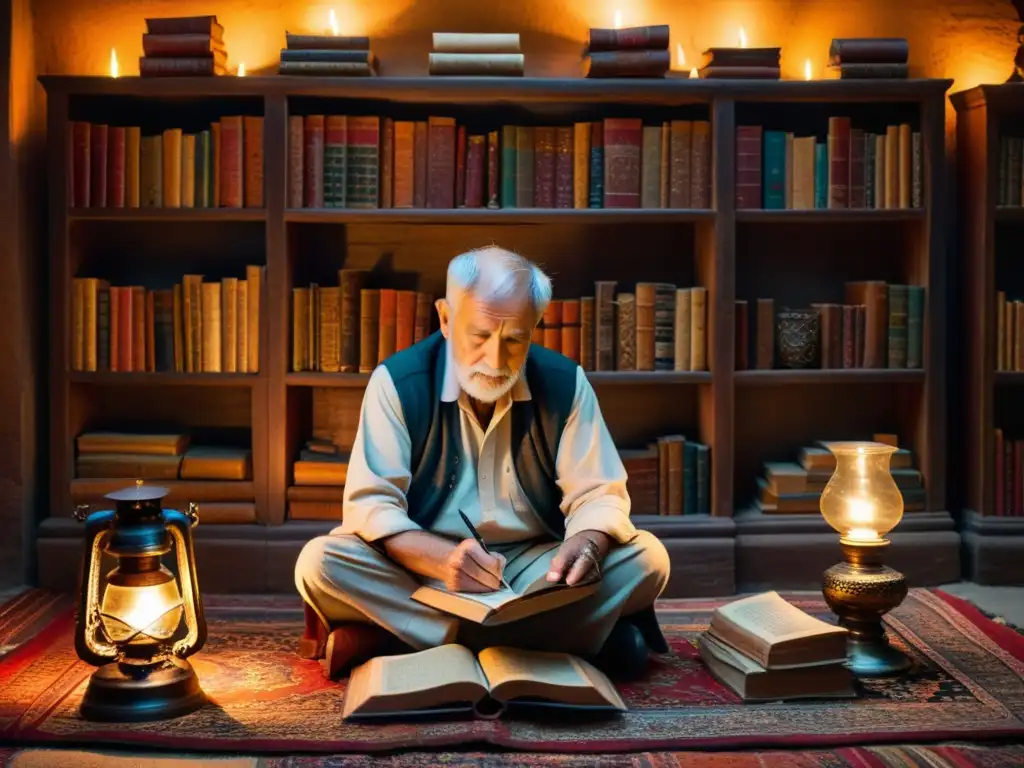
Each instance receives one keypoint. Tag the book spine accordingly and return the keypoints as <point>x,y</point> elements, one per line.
<point>508,166</point>
<point>587,317</point>
<point>623,138</point>
<point>493,182</point>
<point>188,170</point>
<point>571,329</point>
<point>475,153</point>
<point>917,180</point>
<point>748,166</point>
<point>581,165</point>
<point>98,164</point>
<point>625,332</point>
<point>698,325</point>
<point>664,326</point>
<point>229,324</point>
<point>313,164</point>
<point>232,157</point>
<point>915,326</point>
<point>336,146</point>
<point>296,156</point>
<point>329,312</point>
<point>563,167</point>
<point>644,331</point>
<point>405,320</point>
<point>103,329</point>
<point>544,167</point>
<point>596,195</point>
<point>387,329</point>
<point>774,173</point>
<point>116,168</point>
<point>650,167</point>
<point>897,331</point>
<point>387,163</point>
<point>460,167</point>
<point>525,187</point>
<point>441,163</point>
<point>857,167</point>
<point>362,173</point>
<point>551,323</point>
<point>424,314</point>
<point>820,175</point>
<point>81,173</point>
<point>420,163</point>
<point>870,147</point>
<point>253,163</point>
<point>839,162</point>
<point>369,324</point>
<point>604,325</point>
<point>405,164</point>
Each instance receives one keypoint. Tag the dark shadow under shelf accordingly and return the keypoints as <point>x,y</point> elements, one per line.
<point>165,378</point>
<point>778,377</point>
<point>609,378</point>
<point>167,214</point>
<point>825,215</point>
<point>495,215</point>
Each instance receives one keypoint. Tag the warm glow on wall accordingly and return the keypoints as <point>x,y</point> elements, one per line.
<point>618,20</point>
<point>332,22</point>
<point>743,38</point>
<point>114,69</point>
<point>680,56</point>
<point>241,69</point>
<point>807,69</point>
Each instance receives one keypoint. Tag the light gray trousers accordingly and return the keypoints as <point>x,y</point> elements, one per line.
<point>346,579</point>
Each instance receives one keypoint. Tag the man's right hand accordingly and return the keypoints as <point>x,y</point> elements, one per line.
<point>469,568</point>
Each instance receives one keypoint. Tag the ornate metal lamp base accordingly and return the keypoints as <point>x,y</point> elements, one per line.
<point>128,693</point>
<point>860,591</point>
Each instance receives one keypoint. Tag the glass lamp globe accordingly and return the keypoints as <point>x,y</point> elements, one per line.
<point>141,613</point>
<point>861,500</point>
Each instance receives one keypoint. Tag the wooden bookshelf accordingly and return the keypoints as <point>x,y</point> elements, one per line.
<point>992,237</point>
<point>746,416</point>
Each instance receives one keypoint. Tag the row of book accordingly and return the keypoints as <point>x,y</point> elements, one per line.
<point>195,327</point>
<point>1009,475</point>
<point>1011,160</point>
<point>351,328</point>
<point>1009,333</point>
<point>654,327</point>
<point>115,166</point>
<point>161,456</point>
<point>880,326</point>
<point>795,487</point>
<point>669,476</point>
<point>764,648</point>
<point>853,168</point>
<point>340,161</point>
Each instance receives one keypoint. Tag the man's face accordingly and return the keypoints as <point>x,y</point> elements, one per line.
<point>489,343</point>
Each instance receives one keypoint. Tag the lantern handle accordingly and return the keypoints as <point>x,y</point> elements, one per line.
<point>179,526</point>
<point>192,513</point>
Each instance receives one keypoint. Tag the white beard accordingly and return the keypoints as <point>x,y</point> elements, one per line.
<point>478,389</point>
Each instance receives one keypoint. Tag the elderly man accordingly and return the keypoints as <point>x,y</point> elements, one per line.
<point>475,419</point>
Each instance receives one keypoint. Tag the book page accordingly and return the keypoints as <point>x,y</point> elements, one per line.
<point>541,584</point>
<point>443,675</point>
<point>428,669</point>
<point>769,617</point>
<point>559,677</point>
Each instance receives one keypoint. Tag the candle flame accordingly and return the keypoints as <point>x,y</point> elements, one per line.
<point>807,70</point>
<point>693,73</point>
<point>618,19</point>
<point>680,56</point>
<point>241,69</point>
<point>743,38</point>
<point>333,21</point>
<point>862,534</point>
<point>114,69</point>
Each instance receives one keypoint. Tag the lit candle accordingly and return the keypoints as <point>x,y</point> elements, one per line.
<point>332,20</point>
<point>807,70</point>
<point>693,73</point>
<point>862,534</point>
<point>114,70</point>
<point>618,19</point>
<point>743,38</point>
<point>241,69</point>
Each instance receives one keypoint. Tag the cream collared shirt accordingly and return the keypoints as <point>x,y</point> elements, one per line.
<point>588,470</point>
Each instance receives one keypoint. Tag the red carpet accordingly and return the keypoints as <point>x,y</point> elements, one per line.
<point>967,684</point>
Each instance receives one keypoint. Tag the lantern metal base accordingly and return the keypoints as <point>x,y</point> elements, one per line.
<point>860,591</point>
<point>129,693</point>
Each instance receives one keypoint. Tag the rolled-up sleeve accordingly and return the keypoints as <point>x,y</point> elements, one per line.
<point>590,473</point>
<point>379,472</point>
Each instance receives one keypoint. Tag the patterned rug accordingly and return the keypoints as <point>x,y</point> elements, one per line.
<point>967,684</point>
<point>889,756</point>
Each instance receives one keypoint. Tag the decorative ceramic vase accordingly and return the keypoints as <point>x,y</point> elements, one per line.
<point>798,334</point>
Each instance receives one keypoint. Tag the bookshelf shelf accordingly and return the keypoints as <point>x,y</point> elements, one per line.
<point>1009,378</point>
<point>167,214</point>
<point>495,216</point>
<point>773,378</point>
<point>988,116</point>
<point>165,378</point>
<point>714,248</point>
<point>829,215</point>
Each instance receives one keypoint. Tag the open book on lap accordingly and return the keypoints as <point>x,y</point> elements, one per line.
<point>450,678</point>
<point>503,606</point>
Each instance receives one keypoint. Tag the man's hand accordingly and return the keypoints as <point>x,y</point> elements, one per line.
<point>572,562</point>
<point>470,569</point>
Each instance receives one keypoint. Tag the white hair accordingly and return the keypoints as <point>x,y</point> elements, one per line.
<point>493,274</point>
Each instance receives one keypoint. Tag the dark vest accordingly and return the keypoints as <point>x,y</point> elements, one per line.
<point>434,428</point>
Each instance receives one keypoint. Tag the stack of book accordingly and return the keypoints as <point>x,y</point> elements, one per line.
<point>494,55</point>
<point>869,58</point>
<point>630,52</point>
<point>766,649</point>
<point>321,462</point>
<point>334,55</point>
<point>157,457</point>
<point>742,63</point>
<point>790,487</point>
<point>184,45</point>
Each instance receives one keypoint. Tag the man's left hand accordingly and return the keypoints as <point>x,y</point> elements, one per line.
<point>579,556</point>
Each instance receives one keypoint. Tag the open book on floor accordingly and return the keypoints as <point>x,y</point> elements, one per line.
<point>451,679</point>
<point>504,605</point>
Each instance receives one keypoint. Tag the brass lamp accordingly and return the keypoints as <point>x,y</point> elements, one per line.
<point>139,623</point>
<point>863,503</point>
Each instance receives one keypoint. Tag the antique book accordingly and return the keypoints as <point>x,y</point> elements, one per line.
<point>776,634</point>
<point>504,605</point>
<point>752,682</point>
<point>450,679</point>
